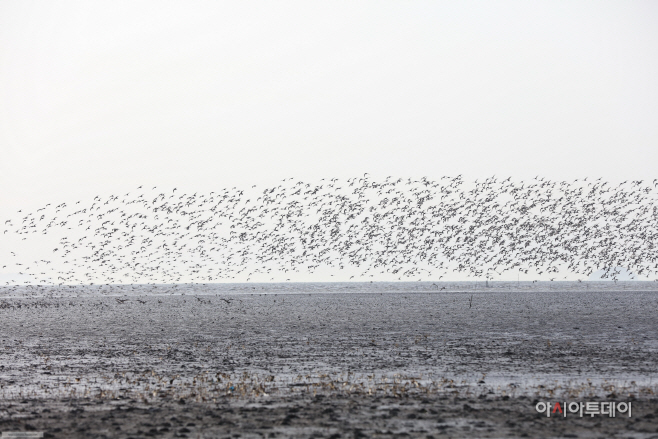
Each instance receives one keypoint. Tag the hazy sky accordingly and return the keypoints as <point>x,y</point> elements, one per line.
<point>100,97</point>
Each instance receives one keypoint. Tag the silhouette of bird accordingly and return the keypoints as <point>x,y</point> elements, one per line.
<point>401,228</point>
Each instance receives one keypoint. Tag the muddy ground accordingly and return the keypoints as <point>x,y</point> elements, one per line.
<point>328,365</point>
<point>321,417</point>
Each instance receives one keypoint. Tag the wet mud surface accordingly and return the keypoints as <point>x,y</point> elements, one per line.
<point>328,365</point>
<point>323,417</point>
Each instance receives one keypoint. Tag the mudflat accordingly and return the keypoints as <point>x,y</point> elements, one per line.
<point>435,364</point>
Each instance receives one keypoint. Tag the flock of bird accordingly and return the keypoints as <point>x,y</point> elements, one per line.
<point>402,227</point>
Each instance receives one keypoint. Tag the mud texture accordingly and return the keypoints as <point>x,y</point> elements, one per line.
<point>322,417</point>
<point>328,365</point>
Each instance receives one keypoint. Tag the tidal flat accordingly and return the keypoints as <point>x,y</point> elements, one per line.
<point>272,364</point>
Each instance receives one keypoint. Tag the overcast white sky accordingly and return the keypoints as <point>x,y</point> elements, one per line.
<point>102,96</point>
